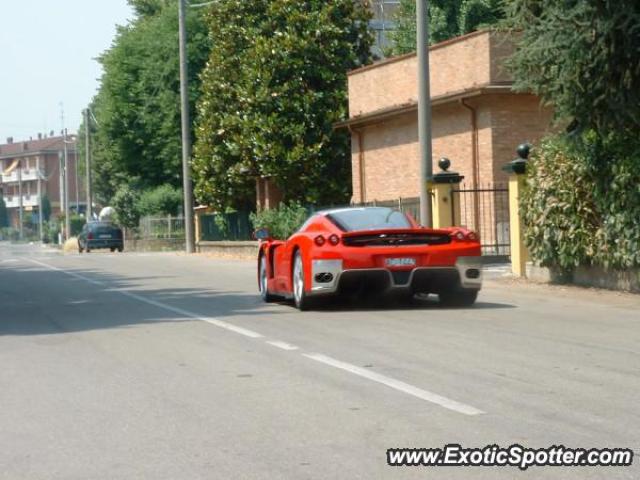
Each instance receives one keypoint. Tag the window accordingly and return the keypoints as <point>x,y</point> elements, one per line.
<point>369,218</point>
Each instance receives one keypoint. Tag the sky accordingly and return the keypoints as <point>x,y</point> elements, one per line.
<point>48,51</point>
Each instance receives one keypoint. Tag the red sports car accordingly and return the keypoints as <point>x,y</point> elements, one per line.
<point>365,250</point>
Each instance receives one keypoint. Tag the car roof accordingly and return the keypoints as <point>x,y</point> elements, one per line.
<point>99,224</point>
<point>349,209</point>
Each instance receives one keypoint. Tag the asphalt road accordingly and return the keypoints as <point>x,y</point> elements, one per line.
<point>167,366</point>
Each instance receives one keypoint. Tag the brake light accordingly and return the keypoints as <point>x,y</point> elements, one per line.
<point>334,239</point>
<point>473,237</point>
<point>90,236</point>
<point>319,240</point>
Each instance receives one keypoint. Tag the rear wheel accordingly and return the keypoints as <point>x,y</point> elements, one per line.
<point>113,249</point>
<point>120,249</point>
<point>264,289</point>
<point>458,298</point>
<point>300,297</point>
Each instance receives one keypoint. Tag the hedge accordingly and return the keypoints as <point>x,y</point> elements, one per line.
<point>581,203</point>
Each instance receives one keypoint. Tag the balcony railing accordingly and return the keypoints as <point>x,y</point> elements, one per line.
<point>13,201</point>
<point>28,174</point>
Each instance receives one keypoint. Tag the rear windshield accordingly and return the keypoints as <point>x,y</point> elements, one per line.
<point>370,218</point>
<point>103,228</point>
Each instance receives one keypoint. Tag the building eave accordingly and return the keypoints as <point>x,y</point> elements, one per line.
<point>381,115</point>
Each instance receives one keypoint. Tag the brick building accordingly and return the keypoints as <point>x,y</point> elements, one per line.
<point>34,166</point>
<point>477,121</point>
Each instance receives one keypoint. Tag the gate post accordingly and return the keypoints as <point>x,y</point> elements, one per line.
<point>441,190</point>
<point>516,170</point>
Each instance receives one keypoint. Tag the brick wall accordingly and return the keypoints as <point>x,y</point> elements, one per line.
<point>455,65</point>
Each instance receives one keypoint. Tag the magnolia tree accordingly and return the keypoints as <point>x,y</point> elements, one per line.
<point>273,88</point>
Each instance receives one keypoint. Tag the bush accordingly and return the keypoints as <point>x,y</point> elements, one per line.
<point>283,221</point>
<point>9,233</point>
<point>581,203</point>
<point>76,222</point>
<point>126,205</point>
<point>162,200</point>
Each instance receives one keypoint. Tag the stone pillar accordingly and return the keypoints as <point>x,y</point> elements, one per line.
<point>445,207</point>
<point>517,169</point>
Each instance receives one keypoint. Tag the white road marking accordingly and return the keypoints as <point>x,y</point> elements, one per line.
<point>9,260</point>
<point>397,385</point>
<point>282,345</point>
<point>362,372</point>
<point>164,306</point>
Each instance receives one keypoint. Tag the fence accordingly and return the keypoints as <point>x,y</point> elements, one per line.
<point>227,226</point>
<point>485,209</point>
<point>168,227</point>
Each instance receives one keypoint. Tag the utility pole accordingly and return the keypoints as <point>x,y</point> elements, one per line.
<point>67,220</point>
<point>39,198</point>
<point>424,112</point>
<point>186,131</point>
<point>20,200</point>
<point>87,159</point>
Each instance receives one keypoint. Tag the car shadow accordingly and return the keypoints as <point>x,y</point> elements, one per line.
<point>353,304</point>
<point>35,300</point>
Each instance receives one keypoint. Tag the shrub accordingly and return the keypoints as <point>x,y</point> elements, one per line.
<point>76,222</point>
<point>125,203</point>
<point>581,203</point>
<point>283,221</point>
<point>162,200</point>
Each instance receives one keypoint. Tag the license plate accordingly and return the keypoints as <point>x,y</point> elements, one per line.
<point>400,262</point>
<point>104,236</point>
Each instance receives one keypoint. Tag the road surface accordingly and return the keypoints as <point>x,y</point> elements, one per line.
<point>167,366</point>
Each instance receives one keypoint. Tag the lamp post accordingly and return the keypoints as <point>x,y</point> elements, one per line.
<point>186,124</point>
<point>67,220</point>
<point>424,111</point>
<point>186,132</point>
<point>87,161</point>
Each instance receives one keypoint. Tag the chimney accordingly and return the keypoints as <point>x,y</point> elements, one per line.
<point>51,133</point>
<point>39,136</point>
<point>9,140</point>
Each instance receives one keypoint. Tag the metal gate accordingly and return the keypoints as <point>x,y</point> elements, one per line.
<point>485,209</point>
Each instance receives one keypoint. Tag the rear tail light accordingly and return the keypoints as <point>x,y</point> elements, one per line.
<point>90,236</point>
<point>463,235</point>
<point>334,239</point>
<point>319,240</point>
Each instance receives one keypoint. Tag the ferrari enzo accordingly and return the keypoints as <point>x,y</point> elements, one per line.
<point>369,250</point>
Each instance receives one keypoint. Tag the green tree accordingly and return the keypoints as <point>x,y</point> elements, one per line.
<point>137,107</point>
<point>4,215</point>
<point>581,56</point>
<point>125,203</point>
<point>273,88</point>
<point>46,208</point>
<point>447,19</point>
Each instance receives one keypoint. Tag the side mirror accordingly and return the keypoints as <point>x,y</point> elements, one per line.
<point>262,234</point>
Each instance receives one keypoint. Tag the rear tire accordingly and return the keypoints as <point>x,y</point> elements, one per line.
<point>113,249</point>
<point>120,249</point>
<point>300,297</point>
<point>263,286</point>
<point>458,298</point>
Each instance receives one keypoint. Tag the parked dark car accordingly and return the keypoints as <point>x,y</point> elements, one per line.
<point>96,235</point>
